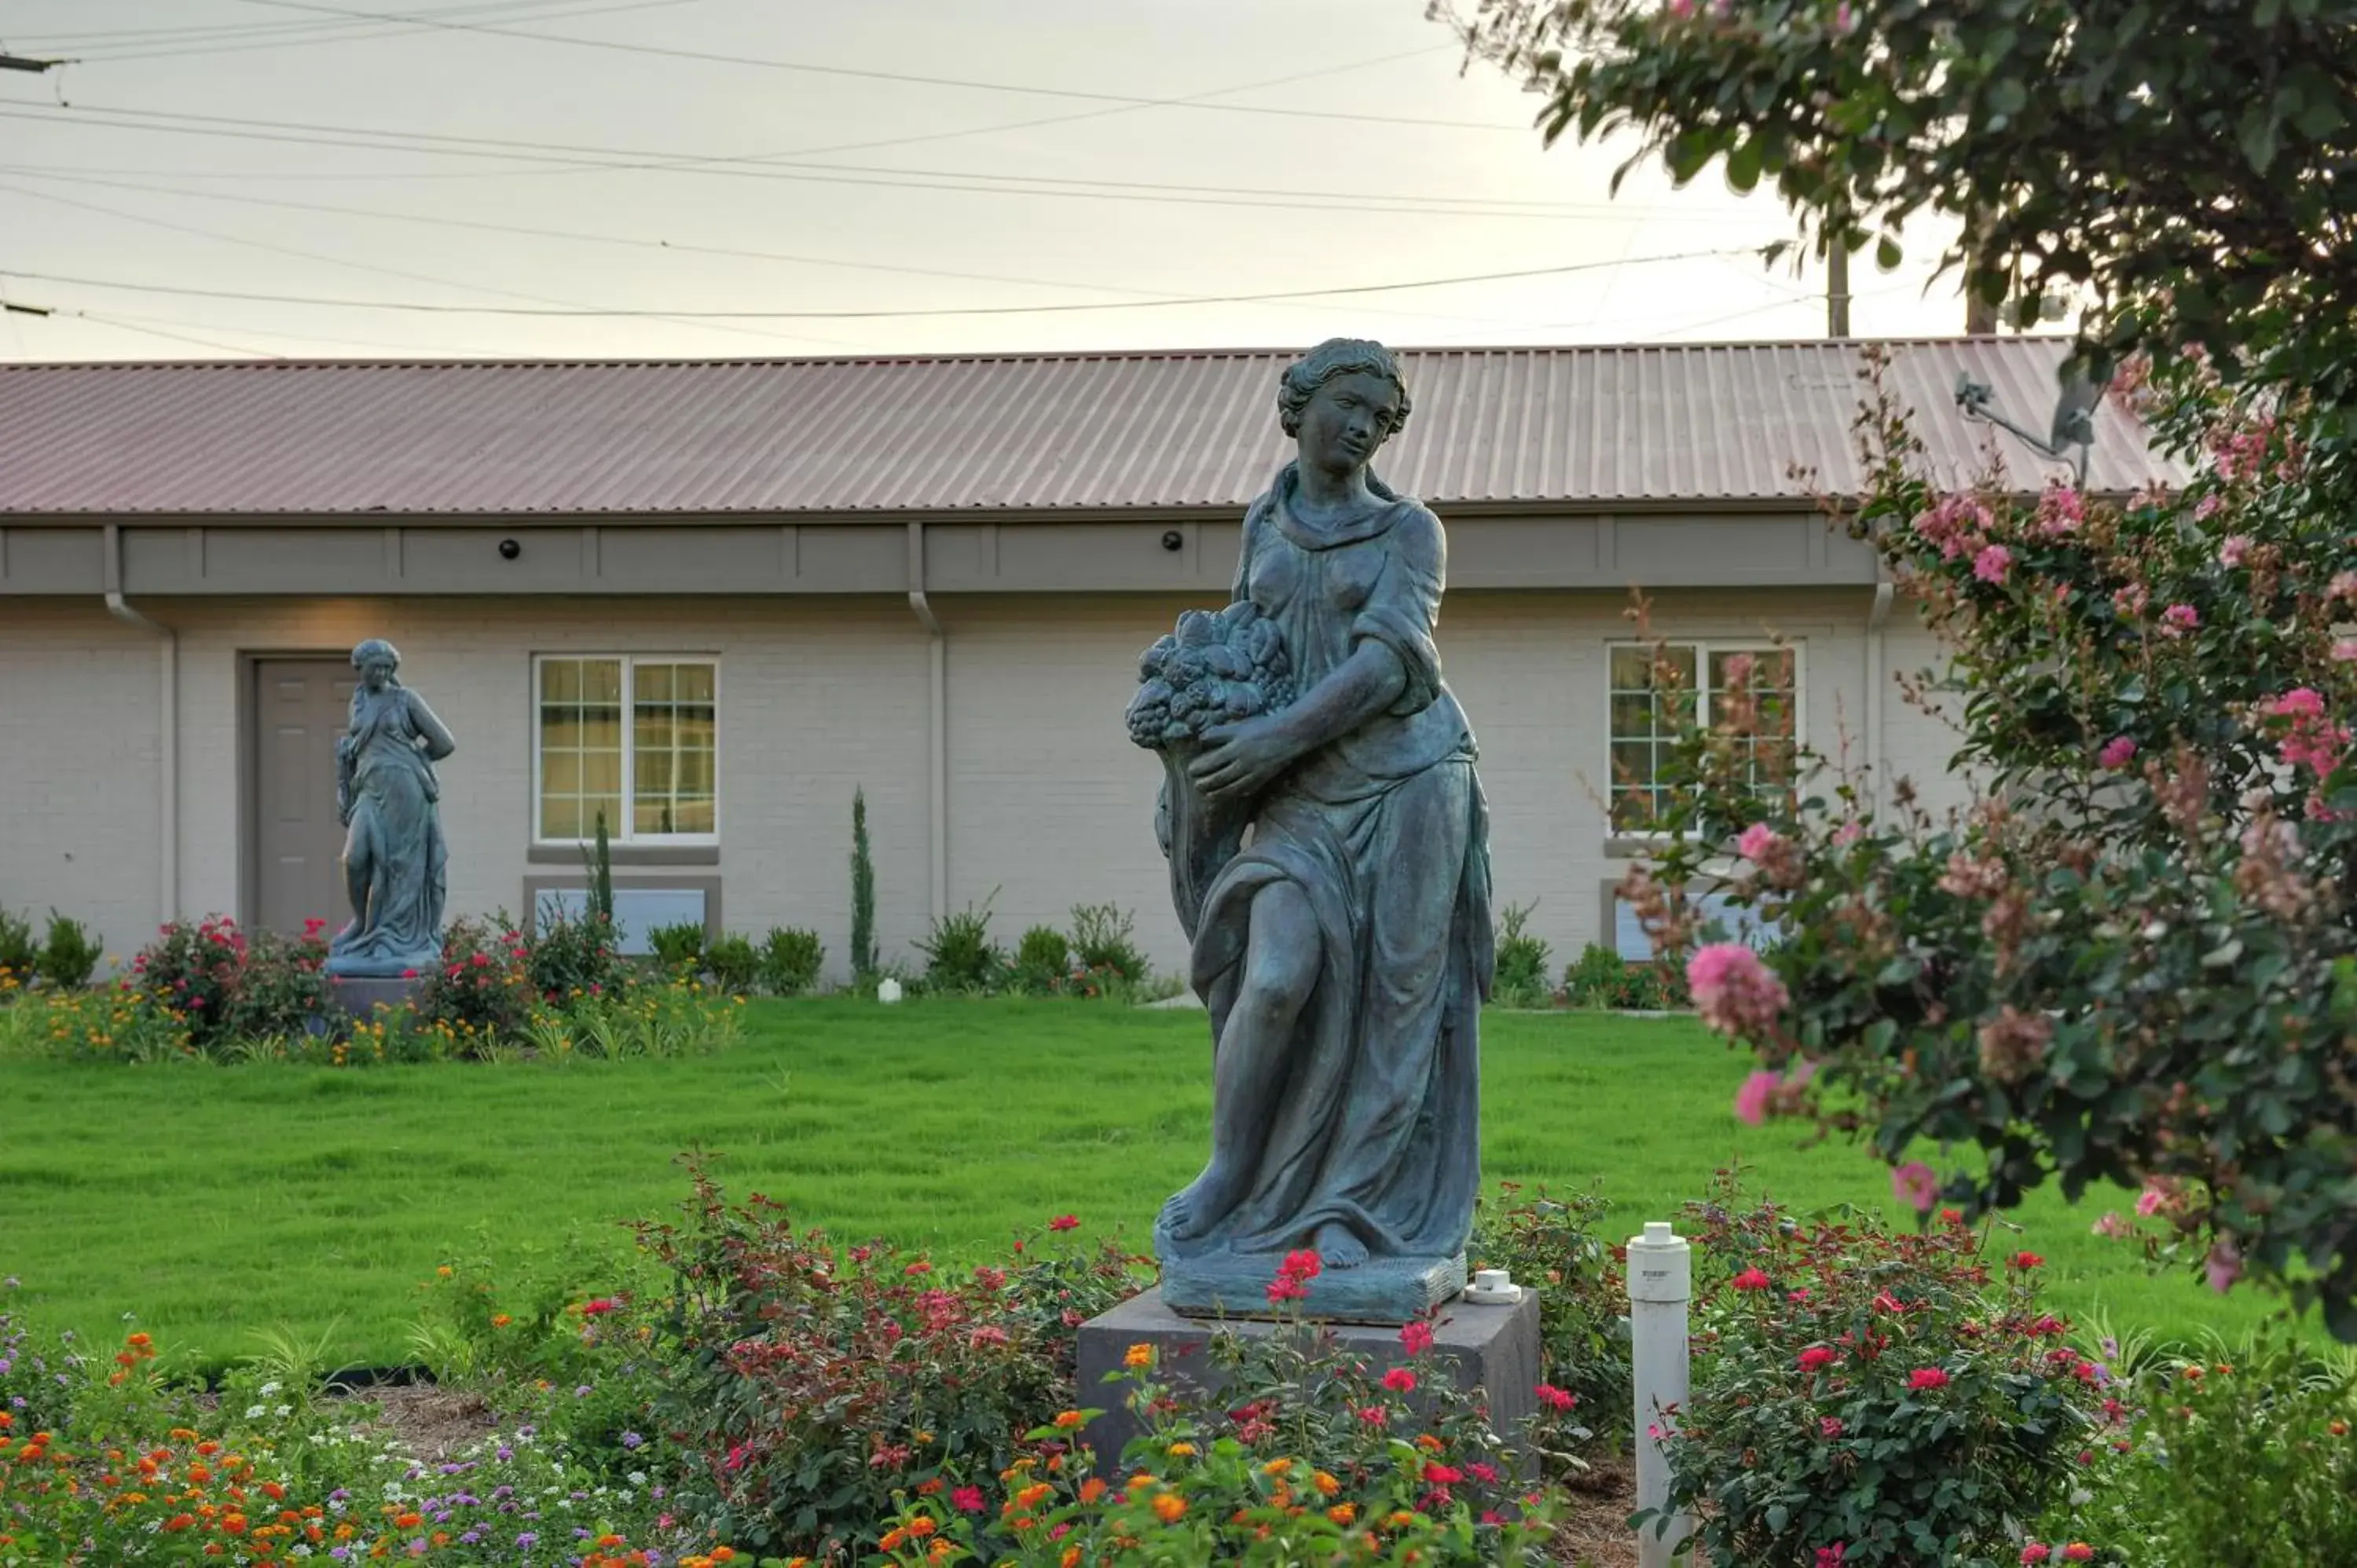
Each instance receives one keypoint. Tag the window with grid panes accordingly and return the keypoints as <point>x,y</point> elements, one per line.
<point>635,738</point>
<point>1653,689</point>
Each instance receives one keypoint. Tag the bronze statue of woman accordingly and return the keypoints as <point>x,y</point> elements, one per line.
<point>1344,952</point>
<point>395,860</point>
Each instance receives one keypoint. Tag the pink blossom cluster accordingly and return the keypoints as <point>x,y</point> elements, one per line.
<point>2241,454</point>
<point>2232,549</point>
<point>2061,510</point>
<point>1955,525</point>
<point>2179,620</point>
<point>1734,992</point>
<point>2312,740</point>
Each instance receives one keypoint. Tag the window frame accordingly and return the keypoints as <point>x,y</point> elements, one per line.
<point>1704,647</point>
<point>624,832</point>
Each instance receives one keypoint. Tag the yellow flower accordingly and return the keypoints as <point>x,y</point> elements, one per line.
<point>1182,1451</point>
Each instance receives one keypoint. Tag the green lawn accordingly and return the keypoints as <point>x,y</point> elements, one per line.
<point>213,1202</point>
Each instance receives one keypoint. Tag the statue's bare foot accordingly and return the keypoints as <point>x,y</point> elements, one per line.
<point>1203,1204</point>
<point>1340,1246</point>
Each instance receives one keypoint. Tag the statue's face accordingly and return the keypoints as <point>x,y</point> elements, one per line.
<point>375,673</point>
<point>1347,420</point>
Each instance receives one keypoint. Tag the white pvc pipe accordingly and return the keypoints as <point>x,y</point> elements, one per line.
<point>1661,1284</point>
<point>167,725</point>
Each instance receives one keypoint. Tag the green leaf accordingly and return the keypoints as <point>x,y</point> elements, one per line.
<point>2260,137</point>
<point>1743,164</point>
<point>2006,98</point>
<point>1886,254</point>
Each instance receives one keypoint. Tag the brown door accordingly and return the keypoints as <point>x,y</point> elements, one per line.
<point>300,707</point>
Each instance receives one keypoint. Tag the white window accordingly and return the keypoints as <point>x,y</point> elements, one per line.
<point>1652,689</point>
<point>633,736</point>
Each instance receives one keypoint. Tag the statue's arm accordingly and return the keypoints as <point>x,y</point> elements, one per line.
<point>1404,608</point>
<point>439,742</point>
<point>1362,687</point>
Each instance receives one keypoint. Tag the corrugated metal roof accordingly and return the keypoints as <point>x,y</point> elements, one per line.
<point>1575,426</point>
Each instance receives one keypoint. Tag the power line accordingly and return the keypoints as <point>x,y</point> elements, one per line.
<point>596,158</point>
<point>1125,101</point>
<point>354,32</point>
<point>1351,290</point>
<point>74,43</point>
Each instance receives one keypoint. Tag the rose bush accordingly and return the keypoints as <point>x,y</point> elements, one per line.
<point>1862,1398</point>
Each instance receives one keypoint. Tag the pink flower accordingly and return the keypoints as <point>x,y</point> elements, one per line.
<point>968,1499</point>
<point>1829,1427</point>
<point>918,1267</point>
<point>2026,1261</point>
<point>408,974</point>
<point>1751,1100</point>
<point>1916,1185</point>
<point>738,1456</point>
<point>2208,507</point>
<point>1065,1223</point>
<point>2078,1551</point>
<point>1751,1279</point>
<point>1848,832</point>
<point>1415,1338</point>
<point>2179,620</point>
<point>2300,702</point>
<point>1374,1415</point>
<point>2231,552</point>
<point>2223,1266</point>
<point>1400,1380</point>
<point>2036,1553</point>
<point>1679,10</point>
<point>1923,1379</point>
<point>2111,1225</point>
<point>2061,510</point>
<point>1733,989</point>
<point>2344,650</point>
<point>1555,1399</point>
<point>2149,1201</point>
<point>1817,1358</point>
<point>1757,842</point>
<point>1831,1556</point>
<point>2129,603</point>
<point>1993,563</point>
<point>2117,752</point>
<point>1843,22</point>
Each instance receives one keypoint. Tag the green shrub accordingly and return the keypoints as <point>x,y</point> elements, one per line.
<point>791,960</point>
<point>71,954</point>
<point>733,964</point>
<point>959,955</point>
<point>1595,979</point>
<point>806,1385</point>
<point>194,972</point>
<point>20,955</point>
<point>1521,972</point>
<point>1042,965</point>
<point>2247,1456</point>
<point>1560,1247</point>
<point>862,890</point>
<point>283,992</point>
<point>678,948</point>
<point>1105,941</point>
<point>572,953</point>
<point>1872,1394</point>
<point>480,994</point>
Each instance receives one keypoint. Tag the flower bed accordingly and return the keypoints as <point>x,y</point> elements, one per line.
<point>208,991</point>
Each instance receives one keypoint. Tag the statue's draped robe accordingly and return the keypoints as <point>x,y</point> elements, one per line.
<point>1386,831</point>
<point>396,835</point>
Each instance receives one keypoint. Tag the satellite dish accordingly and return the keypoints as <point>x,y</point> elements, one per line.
<point>2074,413</point>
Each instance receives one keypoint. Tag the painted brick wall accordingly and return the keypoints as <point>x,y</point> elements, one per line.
<point>80,698</point>
<point>1049,805</point>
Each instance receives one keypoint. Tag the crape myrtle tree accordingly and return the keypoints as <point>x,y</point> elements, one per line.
<point>2133,957</point>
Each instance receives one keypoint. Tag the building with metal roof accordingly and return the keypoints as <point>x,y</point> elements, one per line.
<point>714,597</point>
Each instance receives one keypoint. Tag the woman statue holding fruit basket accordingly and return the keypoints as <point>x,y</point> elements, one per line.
<point>1344,950</point>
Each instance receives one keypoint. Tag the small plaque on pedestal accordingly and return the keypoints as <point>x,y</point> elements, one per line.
<point>1379,1291</point>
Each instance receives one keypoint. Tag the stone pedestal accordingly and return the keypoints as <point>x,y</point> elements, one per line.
<point>360,996</point>
<point>1493,1349</point>
<point>1380,1291</point>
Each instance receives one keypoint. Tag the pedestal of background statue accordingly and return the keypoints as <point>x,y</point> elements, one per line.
<point>1494,1348</point>
<point>362,995</point>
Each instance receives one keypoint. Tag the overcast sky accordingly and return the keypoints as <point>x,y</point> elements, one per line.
<point>198,146</point>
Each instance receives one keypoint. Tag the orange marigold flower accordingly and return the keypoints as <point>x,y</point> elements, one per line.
<point>1071,1559</point>
<point>921,1526</point>
<point>1325,1483</point>
<point>1171,1507</point>
<point>1066,1420</point>
<point>1182,1451</point>
<point>1140,1481</point>
<point>208,1446</point>
<point>407,1521</point>
<point>893,1539</point>
<point>1032,1496</point>
<point>927,1488</point>
<point>501,1320</point>
<point>1091,1489</point>
<point>1342,1513</point>
<point>1138,1356</point>
<point>1277,1466</point>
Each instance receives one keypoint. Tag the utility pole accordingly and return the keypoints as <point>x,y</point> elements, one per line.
<point>1837,290</point>
<point>25,62</point>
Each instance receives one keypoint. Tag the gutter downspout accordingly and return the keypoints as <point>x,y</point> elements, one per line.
<point>1877,692</point>
<point>168,786</point>
<point>938,731</point>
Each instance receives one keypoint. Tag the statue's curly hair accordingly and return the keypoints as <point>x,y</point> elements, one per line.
<point>374,648</point>
<point>1336,357</point>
